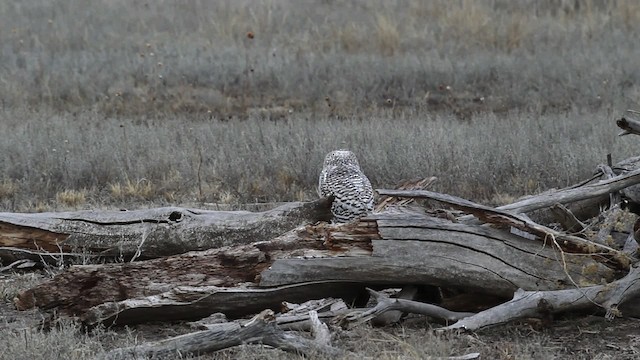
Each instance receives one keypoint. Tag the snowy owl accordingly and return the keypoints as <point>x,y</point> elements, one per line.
<point>341,177</point>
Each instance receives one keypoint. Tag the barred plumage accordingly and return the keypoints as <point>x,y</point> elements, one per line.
<point>342,177</point>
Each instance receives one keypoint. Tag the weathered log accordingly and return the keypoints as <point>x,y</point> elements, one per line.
<point>563,196</point>
<point>609,298</point>
<point>259,330</point>
<point>487,214</point>
<point>145,234</point>
<point>385,249</point>
<point>188,302</point>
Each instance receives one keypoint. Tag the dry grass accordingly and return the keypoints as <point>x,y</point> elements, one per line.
<point>11,284</point>
<point>71,198</point>
<point>179,159</point>
<point>133,190</point>
<point>195,58</point>
<point>142,104</point>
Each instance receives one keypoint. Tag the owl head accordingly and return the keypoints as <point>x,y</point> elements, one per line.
<point>341,158</point>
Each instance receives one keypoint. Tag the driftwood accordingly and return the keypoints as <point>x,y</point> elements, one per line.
<point>599,190</point>
<point>385,304</point>
<point>382,250</point>
<point>144,234</point>
<point>261,329</point>
<point>499,216</point>
<point>610,298</point>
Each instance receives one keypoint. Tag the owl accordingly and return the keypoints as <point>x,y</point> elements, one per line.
<point>342,177</point>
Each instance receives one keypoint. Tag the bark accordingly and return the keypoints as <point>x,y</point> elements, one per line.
<point>144,234</point>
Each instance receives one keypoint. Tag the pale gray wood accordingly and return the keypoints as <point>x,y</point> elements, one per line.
<point>147,233</point>
<point>549,198</point>
<point>408,292</point>
<point>386,304</point>
<point>447,258</point>
<point>260,330</point>
<point>194,302</point>
<point>609,298</point>
<point>504,217</point>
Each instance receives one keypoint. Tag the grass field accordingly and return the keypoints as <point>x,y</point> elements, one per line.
<point>118,103</point>
<point>124,104</point>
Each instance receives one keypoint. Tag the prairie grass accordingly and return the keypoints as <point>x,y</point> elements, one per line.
<point>71,198</point>
<point>123,57</point>
<point>120,103</point>
<point>91,160</point>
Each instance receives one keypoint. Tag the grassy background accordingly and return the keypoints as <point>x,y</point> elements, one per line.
<point>134,103</point>
<point>87,160</point>
<point>127,103</point>
<point>136,57</point>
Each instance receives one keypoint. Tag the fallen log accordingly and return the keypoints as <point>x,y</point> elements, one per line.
<point>609,298</point>
<point>144,234</point>
<point>381,250</point>
<point>190,302</point>
<point>564,242</point>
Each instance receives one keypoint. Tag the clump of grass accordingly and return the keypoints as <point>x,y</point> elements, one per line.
<point>134,190</point>
<point>388,36</point>
<point>65,340</point>
<point>71,198</point>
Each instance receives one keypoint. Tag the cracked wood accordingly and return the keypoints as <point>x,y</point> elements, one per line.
<point>148,233</point>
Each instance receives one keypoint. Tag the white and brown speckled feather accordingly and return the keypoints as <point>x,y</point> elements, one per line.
<point>342,177</point>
